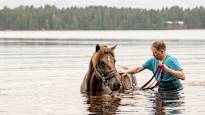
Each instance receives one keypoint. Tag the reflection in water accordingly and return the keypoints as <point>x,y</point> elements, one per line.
<point>168,102</point>
<point>106,104</point>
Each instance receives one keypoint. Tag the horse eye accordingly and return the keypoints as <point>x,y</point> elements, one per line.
<point>102,62</point>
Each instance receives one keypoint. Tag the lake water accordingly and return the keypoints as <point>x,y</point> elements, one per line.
<point>43,77</point>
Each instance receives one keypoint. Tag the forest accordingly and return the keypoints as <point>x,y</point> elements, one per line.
<point>100,18</point>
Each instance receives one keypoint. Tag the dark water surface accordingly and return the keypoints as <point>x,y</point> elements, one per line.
<point>44,77</point>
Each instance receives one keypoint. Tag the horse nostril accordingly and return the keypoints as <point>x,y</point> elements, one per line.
<point>116,86</point>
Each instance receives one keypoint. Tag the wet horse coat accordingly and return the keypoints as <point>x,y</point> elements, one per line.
<point>102,76</point>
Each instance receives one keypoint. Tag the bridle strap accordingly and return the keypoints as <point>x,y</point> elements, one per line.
<point>157,71</point>
<point>158,75</point>
<point>104,77</point>
<point>110,75</point>
<point>100,76</point>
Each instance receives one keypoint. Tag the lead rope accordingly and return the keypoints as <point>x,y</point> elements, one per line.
<point>158,75</point>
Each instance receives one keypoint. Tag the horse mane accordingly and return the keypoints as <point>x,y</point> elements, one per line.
<point>100,53</point>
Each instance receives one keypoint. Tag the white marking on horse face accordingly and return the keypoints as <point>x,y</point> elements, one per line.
<point>108,58</point>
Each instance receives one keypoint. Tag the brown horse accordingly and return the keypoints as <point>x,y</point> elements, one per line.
<point>102,76</point>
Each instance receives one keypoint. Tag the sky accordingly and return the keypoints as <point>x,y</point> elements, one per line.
<point>154,4</point>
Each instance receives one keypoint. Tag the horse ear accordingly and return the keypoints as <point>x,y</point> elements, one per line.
<point>113,47</point>
<point>97,47</point>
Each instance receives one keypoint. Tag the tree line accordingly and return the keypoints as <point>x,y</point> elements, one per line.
<point>99,18</point>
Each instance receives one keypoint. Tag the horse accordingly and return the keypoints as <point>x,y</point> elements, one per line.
<point>102,76</point>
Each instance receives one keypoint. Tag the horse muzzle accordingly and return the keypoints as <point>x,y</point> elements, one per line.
<point>116,86</point>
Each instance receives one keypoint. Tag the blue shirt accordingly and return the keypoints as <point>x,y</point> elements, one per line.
<point>169,82</point>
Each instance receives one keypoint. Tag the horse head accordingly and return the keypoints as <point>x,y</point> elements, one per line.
<point>102,75</point>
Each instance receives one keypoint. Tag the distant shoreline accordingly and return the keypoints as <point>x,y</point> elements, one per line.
<point>192,34</point>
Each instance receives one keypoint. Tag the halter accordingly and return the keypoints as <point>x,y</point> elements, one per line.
<point>104,77</point>
<point>158,75</point>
